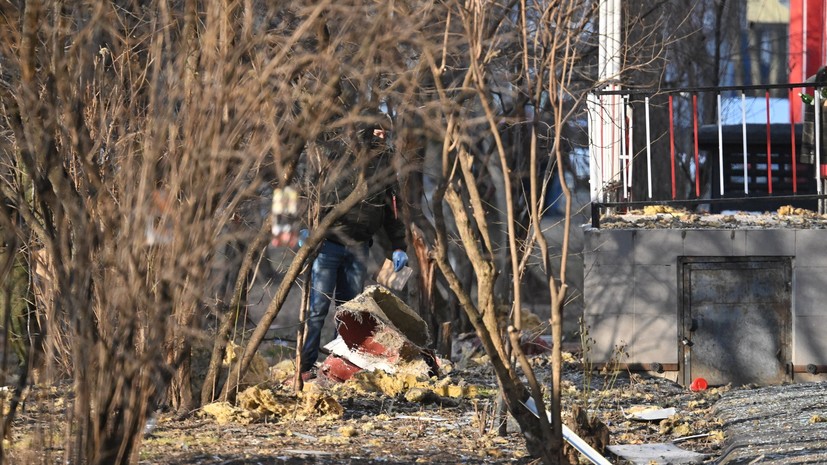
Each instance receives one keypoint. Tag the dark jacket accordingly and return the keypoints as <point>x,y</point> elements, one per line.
<point>364,220</point>
<point>343,160</point>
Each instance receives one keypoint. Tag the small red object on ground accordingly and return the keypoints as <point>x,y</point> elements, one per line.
<point>698,384</point>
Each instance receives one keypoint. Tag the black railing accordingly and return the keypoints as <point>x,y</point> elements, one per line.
<point>754,162</point>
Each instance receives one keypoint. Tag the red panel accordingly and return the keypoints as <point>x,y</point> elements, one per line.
<point>355,329</point>
<point>672,145</point>
<point>338,369</point>
<point>358,330</point>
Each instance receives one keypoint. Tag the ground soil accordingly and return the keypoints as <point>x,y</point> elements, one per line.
<point>374,427</point>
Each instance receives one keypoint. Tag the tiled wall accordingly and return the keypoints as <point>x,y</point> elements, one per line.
<point>631,288</point>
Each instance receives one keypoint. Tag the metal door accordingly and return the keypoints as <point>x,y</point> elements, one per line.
<point>736,314</point>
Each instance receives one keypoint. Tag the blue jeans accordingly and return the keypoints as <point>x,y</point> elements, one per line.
<point>339,272</point>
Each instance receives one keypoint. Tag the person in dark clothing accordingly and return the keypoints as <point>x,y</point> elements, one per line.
<point>339,270</point>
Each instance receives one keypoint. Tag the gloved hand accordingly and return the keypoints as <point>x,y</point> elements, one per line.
<point>400,259</point>
<point>303,236</point>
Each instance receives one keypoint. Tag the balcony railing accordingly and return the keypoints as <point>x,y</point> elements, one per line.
<point>744,146</point>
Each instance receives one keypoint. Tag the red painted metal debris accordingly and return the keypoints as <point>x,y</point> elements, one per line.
<point>377,331</point>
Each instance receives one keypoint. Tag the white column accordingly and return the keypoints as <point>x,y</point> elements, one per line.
<point>605,130</point>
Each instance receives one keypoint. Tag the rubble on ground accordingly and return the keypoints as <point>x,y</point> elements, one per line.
<point>378,331</point>
<point>413,387</point>
<point>257,403</point>
<point>331,422</point>
<point>375,406</point>
<point>259,370</point>
<point>665,217</point>
<point>408,416</point>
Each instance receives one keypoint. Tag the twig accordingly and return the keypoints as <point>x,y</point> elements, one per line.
<point>686,438</point>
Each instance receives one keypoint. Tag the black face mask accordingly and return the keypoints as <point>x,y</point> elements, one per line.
<point>375,138</point>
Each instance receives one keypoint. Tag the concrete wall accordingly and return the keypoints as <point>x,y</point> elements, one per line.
<point>631,286</point>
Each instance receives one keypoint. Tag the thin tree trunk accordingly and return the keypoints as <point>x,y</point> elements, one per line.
<point>298,382</point>
<point>229,318</point>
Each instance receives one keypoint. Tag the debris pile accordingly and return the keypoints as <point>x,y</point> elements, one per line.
<point>412,387</point>
<point>663,217</point>
<point>789,210</point>
<point>377,331</point>
<point>257,373</point>
<point>256,403</point>
<point>379,349</point>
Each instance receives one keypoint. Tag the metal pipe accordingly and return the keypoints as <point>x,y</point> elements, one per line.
<point>744,137</point>
<point>649,146</point>
<point>631,148</point>
<point>686,90</point>
<point>643,203</point>
<point>792,142</point>
<point>672,145</point>
<point>697,156</point>
<point>623,158</point>
<point>583,447</point>
<point>769,147</point>
<point>657,367</point>
<point>720,146</point>
<point>595,130</point>
<point>810,368</point>
<point>817,132</point>
<point>601,105</point>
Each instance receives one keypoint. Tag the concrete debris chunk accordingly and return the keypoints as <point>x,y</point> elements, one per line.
<point>386,311</point>
<point>393,279</point>
<point>256,403</point>
<point>415,388</point>
<point>656,454</point>
<point>260,402</point>
<point>378,331</point>
<point>224,412</point>
<point>257,373</point>
<point>380,348</point>
<point>648,413</point>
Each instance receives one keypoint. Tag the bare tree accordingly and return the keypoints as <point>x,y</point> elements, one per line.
<point>551,40</point>
<point>140,140</point>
